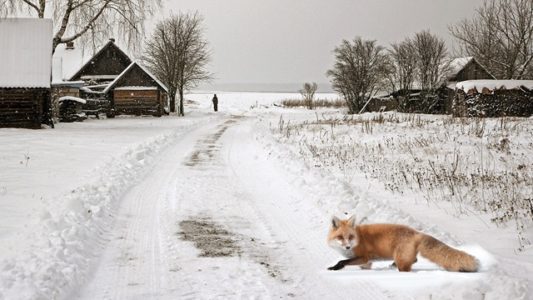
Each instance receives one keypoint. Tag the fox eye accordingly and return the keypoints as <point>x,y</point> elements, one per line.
<point>340,238</point>
<point>350,237</point>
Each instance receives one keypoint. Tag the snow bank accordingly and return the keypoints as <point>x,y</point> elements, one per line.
<point>492,85</point>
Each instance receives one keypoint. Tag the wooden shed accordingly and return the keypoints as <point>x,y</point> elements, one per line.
<point>136,91</point>
<point>25,72</point>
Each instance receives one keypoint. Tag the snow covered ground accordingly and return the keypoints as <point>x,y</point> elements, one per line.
<point>223,205</point>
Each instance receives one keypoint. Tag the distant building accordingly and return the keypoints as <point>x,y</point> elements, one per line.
<point>25,72</point>
<point>110,76</point>
<point>136,91</point>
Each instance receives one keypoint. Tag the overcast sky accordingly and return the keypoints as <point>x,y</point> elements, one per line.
<point>291,41</point>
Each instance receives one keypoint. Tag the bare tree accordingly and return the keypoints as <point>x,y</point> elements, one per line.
<point>178,54</point>
<point>308,93</point>
<point>88,20</point>
<point>431,57</point>
<point>360,70</point>
<point>403,63</point>
<point>500,36</point>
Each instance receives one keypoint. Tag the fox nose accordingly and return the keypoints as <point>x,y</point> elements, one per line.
<point>347,247</point>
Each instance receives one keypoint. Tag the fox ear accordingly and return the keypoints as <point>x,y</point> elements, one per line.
<point>351,221</point>
<point>335,222</point>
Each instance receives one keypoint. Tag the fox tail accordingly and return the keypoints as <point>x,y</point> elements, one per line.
<point>447,257</point>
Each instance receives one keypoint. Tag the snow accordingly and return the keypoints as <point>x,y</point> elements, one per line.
<point>492,85</point>
<point>71,98</point>
<point>136,88</point>
<point>93,210</point>
<point>99,77</point>
<point>25,59</point>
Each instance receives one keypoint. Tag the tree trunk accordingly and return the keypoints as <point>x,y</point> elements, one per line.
<point>181,111</point>
<point>352,107</point>
<point>172,101</point>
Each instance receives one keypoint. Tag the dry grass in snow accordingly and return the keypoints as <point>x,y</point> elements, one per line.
<point>478,165</point>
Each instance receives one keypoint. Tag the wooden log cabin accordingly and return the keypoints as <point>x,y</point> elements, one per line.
<point>25,72</point>
<point>136,91</point>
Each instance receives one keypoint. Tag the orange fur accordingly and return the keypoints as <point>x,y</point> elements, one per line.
<point>363,243</point>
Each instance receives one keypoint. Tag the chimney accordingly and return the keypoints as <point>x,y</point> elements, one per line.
<point>70,46</point>
<point>112,40</point>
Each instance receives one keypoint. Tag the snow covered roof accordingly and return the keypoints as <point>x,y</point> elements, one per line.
<point>66,62</point>
<point>112,84</point>
<point>99,77</point>
<point>74,84</point>
<point>492,85</point>
<point>25,53</point>
<point>71,98</point>
<point>136,88</point>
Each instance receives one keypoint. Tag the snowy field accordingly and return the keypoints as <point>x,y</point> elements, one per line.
<point>237,204</point>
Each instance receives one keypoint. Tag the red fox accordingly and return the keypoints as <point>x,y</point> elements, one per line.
<point>361,244</point>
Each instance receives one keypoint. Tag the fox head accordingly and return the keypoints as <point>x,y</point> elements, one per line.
<point>343,235</point>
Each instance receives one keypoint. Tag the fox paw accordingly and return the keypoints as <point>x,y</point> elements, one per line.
<point>336,267</point>
<point>367,266</point>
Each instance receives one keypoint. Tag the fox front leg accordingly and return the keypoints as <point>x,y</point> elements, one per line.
<point>346,262</point>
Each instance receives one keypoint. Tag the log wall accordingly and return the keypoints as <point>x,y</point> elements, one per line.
<point>24,108</point>
<point>138,102</point>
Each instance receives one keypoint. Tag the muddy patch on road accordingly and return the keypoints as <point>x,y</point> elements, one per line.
<point>211,239</point>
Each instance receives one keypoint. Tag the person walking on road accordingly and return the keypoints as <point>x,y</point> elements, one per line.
<point>215,102</point>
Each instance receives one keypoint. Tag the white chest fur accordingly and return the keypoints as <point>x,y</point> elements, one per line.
<point>348,253</point>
